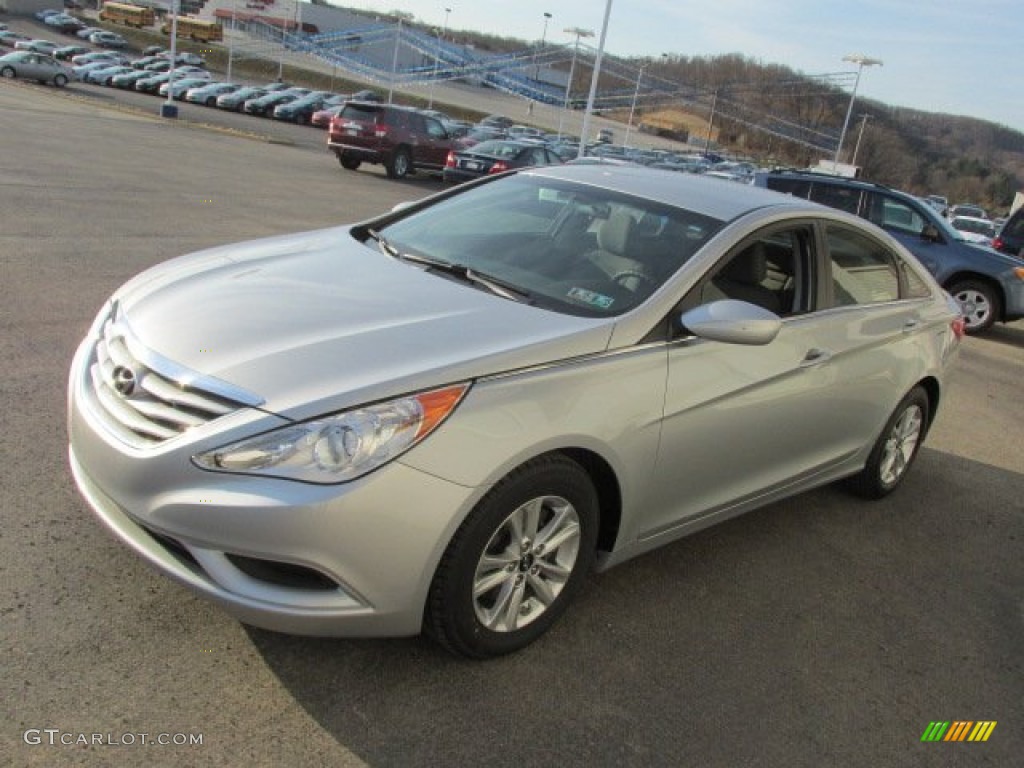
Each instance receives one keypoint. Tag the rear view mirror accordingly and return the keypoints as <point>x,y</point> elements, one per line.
<point>732,322</point>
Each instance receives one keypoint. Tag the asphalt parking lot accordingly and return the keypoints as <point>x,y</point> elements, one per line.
<point>821,631</point>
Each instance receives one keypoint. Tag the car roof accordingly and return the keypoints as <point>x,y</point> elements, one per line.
<point>709,197</point>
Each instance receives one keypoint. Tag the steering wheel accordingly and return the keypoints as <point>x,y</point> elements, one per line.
<point>620,278</point>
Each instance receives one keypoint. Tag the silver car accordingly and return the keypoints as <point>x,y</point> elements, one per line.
<point>35,66</point>
<point>442,419</point>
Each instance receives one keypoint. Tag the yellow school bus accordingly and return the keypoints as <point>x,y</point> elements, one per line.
<point>196,29</point>
<point>129,15</point>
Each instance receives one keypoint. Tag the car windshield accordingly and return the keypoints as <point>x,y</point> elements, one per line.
<point>568,247</point>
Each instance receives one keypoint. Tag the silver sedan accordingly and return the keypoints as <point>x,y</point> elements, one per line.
<point>35,66</point>
<point>444,418</point>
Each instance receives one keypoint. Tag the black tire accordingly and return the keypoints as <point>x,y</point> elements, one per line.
<point>479,607</point>
<point>896,448</point>
<point>348,163</point>
<point>398,165</point>
<point>7,72</point>
<point>60,81</point>
<point>212,101</point>
<point>979,303</point>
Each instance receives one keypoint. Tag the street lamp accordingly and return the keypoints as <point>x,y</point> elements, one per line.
<point>636,93</point>
<point>572,70</point>
<point>861,61</point>
<point>594,77</point>
<point>168,109</point>
<point>543,38</point>
<point>394,62</point>
<point>437,57</point>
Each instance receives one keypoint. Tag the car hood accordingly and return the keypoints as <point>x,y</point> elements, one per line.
<point>316,322</point>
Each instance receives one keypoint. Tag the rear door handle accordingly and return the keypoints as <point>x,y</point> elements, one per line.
<point>911,325</point>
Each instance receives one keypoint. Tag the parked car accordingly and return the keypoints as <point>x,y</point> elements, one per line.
<point>236,99</point>
<point>1011,235</point>
<point>44,14</point>
<point>111,57</point>
<point>34,66</point>
<point>403,139</point>
<point>64,23</point>
<point>9,39</point>
<point>322,117</point>
<point>515,407</point>
<point>988,285</point>
<point>106,75</point>
<point>38,46</point>
<point>478,134</point>
<point>127,80</point>
<point>88,32</point>
<point>974,230</point>
<point>67,52</point>
<point>966,209</point>
<point>263,106</point>
<point>495,156</point>
<point>301,110</point>
<point>207,94</point>
<point>108,39</point>
<point>152,84</point>
<point>181,86</point>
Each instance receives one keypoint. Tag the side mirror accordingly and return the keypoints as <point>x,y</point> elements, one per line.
<point>930,233</point>
<point>732,322</point>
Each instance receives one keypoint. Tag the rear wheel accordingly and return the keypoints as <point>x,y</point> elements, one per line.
<point>60,81</point>
<point>896,448</point>
<point>978,302</point>
<point>348,163</point>
<point>212,101</point>
<point>515,563</point>
<point>398,166</point>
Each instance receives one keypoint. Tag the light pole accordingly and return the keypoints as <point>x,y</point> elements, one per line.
<point>594,77</point>
<point>636,93</point>
<point>394,61</point>
<point>572,71</point>
<point>437,57</point>
<point>231,40</point>
<point>711,122</point>
<point>543,38</point>
<point>169,109</point>
<point>861,61</point>
<point>860,135</point>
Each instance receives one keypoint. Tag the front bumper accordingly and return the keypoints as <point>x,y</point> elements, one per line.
<point>348,560</point>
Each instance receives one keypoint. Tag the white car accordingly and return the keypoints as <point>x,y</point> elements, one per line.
<point>974,229</point>
<point>38,46</point>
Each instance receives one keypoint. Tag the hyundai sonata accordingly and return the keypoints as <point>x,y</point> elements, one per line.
<point>443,418</point>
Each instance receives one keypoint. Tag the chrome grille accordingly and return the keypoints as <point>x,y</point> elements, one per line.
<point>146,399</point>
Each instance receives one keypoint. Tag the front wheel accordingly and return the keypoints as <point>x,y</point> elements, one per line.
<point>515,563</point>
<point>398,166</point>
<point>7,72</point>
<point>895,449</point>
<point>60,81</point>
<point>979,304</point>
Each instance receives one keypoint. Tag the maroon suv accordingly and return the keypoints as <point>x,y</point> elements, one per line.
<point>402,138</point>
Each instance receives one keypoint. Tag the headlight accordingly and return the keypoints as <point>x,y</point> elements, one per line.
<point>342,446</point>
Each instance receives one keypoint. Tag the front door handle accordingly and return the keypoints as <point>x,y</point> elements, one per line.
<point>815,356</point>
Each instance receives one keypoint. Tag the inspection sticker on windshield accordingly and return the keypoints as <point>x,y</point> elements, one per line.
<point>589,297</point>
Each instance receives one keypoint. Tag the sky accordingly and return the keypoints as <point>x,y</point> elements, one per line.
<point>947,56</point>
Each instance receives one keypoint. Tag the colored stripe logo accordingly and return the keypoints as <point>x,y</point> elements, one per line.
<point>959,730</point>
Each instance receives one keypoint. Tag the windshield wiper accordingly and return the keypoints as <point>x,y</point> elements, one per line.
<point>461,271</point>
<point>385,246</point>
